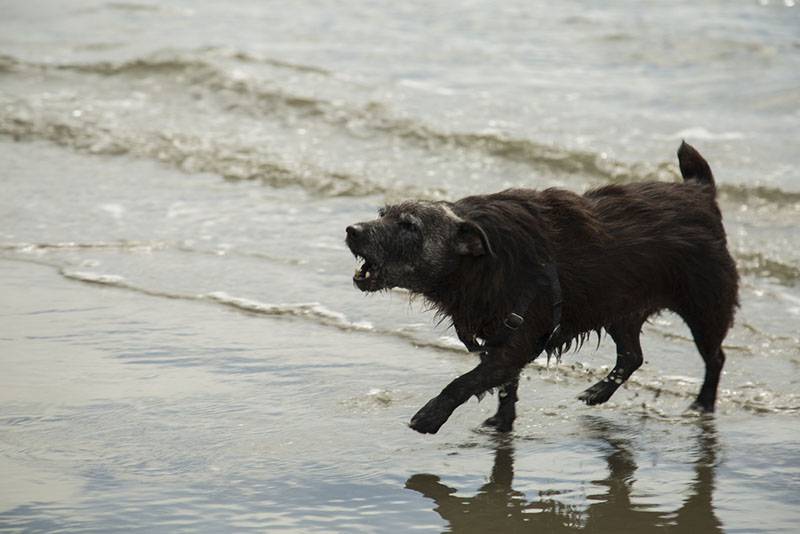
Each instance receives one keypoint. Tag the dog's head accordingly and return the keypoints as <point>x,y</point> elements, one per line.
<point>414,245</point>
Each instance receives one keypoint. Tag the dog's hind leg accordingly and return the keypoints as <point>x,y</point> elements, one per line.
<point>629,358</point>
<point>503,420</point>
<point>709,344</point>
<point>708,391</point>
<point>709,330</point>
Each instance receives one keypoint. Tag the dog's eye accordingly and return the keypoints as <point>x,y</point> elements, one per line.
<point>407,225</point>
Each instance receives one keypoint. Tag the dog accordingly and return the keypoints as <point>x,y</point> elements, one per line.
<point>522,272</point>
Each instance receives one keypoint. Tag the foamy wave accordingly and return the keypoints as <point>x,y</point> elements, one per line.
<point>96,278</point>
<point>698,132</point>
<point>752,399</point>
<point>755,263</point>
<point>372,115</point>
<point>313,310</point>
<point>185,152</point>
<point>759,194</point>
<point>24,247</point>
<point>307,310</point>
<point>244,162</point>
<point>746,396</point>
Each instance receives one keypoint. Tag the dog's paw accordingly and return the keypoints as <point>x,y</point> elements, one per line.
<point>499,423</point>
<point>598,393</point>
<point>701,408</point>
<point>430,418</point>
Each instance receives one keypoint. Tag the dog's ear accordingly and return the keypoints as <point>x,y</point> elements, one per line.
<point>471,240</point>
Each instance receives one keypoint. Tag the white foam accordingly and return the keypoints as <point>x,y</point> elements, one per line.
<point>681,378</point>
<point>450,342</point>
<point>115,210</point>
<point>307,309</point>
<point>97,278</point>
<point>698,132</point>
<point>427,87</point>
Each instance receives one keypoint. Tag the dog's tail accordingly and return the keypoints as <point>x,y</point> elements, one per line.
<point>694,167</point>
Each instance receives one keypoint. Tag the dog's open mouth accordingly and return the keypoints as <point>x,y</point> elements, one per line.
<point>368,276</point>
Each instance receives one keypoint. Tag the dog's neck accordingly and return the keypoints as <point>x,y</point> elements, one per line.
<point>481,292</point>
<point>477,298</point>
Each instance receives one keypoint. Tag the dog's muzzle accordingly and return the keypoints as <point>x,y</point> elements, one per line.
<point>368,276</point>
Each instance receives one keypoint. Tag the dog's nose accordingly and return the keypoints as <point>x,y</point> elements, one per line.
<point>354,230</point>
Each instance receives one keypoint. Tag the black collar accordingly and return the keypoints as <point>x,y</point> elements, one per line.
<point>516,318</point>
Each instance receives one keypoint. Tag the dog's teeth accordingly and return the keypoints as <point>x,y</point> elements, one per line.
<point>366,275</point>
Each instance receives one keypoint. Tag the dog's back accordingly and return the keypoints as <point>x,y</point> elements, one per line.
<point>656,245</point>
<point>620,250</point>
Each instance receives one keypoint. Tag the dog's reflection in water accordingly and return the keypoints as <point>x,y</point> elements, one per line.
<point>497,507</point>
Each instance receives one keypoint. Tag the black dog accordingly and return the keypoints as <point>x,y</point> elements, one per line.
<point>521,272</point>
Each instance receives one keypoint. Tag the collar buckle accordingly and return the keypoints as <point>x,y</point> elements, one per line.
<point>513,321</point>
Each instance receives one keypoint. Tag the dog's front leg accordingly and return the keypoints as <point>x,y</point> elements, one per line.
<point>503,420</point>
<point>486,375</point>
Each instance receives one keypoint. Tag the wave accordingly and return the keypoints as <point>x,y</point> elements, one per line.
<point>165,62</point>
<point>188,153</point>
<point>96,245</point>
<point>236,162</point>
<point>32,251</point>
<point>375,116</point>
<point>313,310</point>
<point>759,194</point>
<point>308,310</point>
<point>757,264</point>
<point>130,6</point>
<point>745,397</point>
<point>248,57</point>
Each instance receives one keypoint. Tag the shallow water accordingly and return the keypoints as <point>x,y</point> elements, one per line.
<point>182,349</point>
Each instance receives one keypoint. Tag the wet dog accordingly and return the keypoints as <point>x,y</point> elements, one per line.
<point>523,272</point>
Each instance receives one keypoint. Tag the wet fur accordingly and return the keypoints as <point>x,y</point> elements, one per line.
<point>623,253</point>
